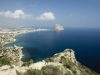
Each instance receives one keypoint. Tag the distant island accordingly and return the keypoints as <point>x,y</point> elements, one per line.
<point>11,63</point>
<point>59,27</point>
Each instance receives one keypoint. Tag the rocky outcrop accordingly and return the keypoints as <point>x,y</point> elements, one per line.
<point>59,27</point>
<point>7,70</point>
<point>10,55</point>
<point>63,63</point>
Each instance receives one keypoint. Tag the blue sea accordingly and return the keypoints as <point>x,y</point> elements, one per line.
<point>84,41</point>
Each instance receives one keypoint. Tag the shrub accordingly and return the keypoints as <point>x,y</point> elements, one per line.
<point>49,60</point>
<point>19,73</point>
<point>5,60</point>
<point>51,70</point>
<point>28,63</point>
<point>63,60</point>
<point>34,72</point>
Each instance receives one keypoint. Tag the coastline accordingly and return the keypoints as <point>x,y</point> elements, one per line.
<point>38,65</point>
<point>9,35</point>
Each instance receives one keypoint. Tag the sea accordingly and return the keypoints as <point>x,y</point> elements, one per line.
<point>84,41</point>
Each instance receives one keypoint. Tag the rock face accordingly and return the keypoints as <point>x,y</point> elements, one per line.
<point>67,54</point>
<point>70,66</point>
<point>63,63</point>
<point>59,27</point>
<point>6,70</point>
<point>9,55</point>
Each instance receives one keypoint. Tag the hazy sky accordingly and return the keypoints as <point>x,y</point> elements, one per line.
<point>70,13</point>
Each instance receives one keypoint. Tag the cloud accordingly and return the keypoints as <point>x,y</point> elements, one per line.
<point>46,16</point>
<point>20,14</point>
<point>17,14</point>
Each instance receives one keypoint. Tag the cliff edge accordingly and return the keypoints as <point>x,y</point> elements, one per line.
<point>63,63</point>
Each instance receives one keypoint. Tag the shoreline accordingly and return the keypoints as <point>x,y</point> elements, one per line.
<point>54,60</point>
<point>10,35</point>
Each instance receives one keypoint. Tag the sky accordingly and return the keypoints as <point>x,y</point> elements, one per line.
<point>47,13</point>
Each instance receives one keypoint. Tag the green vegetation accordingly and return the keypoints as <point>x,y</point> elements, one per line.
<point>51,70</point>
<point>68,65</point>
<point>46,70</point>
<point>49,60</point>
<point>63,60</point>
<point>28,63</point>
<point>5,60</point>
<point>66,62</point>
<point>34,72</point>
<point>19,73</point>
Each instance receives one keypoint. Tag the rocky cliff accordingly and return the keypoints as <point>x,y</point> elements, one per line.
<point>63,63</point>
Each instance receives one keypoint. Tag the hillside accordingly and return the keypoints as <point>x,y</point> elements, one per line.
<point>63,63</point>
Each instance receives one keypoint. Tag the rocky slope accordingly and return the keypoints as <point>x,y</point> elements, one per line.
<point>63,63</point>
